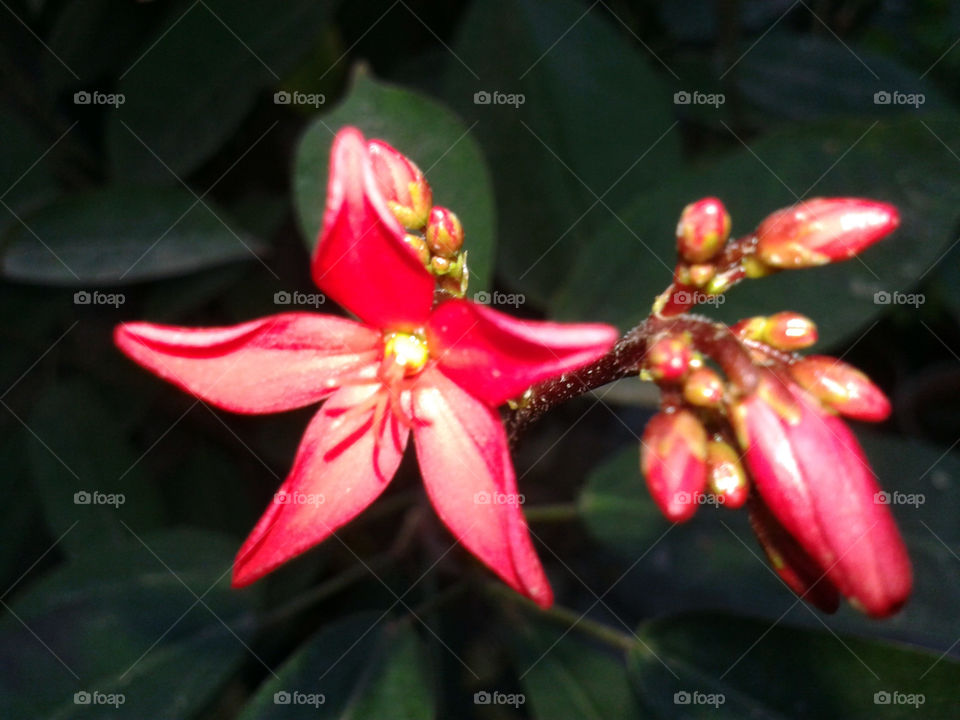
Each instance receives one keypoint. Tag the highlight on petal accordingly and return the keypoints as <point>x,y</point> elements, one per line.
<point>347,457</point>
<point>466,468</point>
<point>276,363</point>
<point>361,260</point>
<point>497,357</point>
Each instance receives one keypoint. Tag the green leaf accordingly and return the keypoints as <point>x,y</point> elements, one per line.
<point>360,667</point>
<point>567,677</point>
<point>595,117</point>
<point>423,130</point>
<point>833,79</point>
<point>714,562</point>
<point>122,235</point>
<point>126,621</point>
<point>615,277</point>
<point>85,470</point>
<point>241,47</point>
<point>730,667</point>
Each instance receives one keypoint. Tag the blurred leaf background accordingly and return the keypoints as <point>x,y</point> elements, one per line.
<point>167,161</point>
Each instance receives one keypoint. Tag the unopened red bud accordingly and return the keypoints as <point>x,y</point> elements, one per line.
<point>789,331</point>
<point>673,460</point>
<point>668,359</point>
<point>405,189</point>
<point>811,473</point>
<point>420,245</point>
<point>703,229</point>
<point>823,230</point>
<point>842,387</point>
<point>791,562</point>
<point>703,388</point>
<point>444,233</point>
<point>726,477</point>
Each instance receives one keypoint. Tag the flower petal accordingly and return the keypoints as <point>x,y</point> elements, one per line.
<point>347,457</point>
<point>275,363</point>
<point>497,357</point>
<point>361,260</point>
<point>465,462</point>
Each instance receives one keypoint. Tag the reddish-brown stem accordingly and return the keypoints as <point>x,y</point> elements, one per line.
<point>626,358</point>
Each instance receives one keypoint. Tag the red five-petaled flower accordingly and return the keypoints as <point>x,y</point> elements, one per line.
<point>438,372</point>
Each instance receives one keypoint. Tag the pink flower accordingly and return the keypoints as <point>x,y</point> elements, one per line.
<point>810,472</point>
<point>437,372</point>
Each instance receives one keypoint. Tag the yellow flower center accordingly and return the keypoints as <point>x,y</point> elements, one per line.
<point>406,350</point>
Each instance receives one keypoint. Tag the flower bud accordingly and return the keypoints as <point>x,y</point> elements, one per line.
<point>668,358</point>
<point>405,189</point>
<point>791,562</point>
<point>725,475</point>
<point>420,245</point>
<point>444,233</point>
<point>789,331</point>
<point>703,229</point>
<point>823,230</point>
<point>842,387</point>
<point>703,388</point>
<point>811,473</point>
<point>673,460</point>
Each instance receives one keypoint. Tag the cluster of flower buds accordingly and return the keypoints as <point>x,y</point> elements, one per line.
<point>808,234</point>
<point>434,232</point>
<point>746,419</point>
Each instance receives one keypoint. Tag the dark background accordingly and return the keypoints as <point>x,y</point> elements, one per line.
<point>197,199</point>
